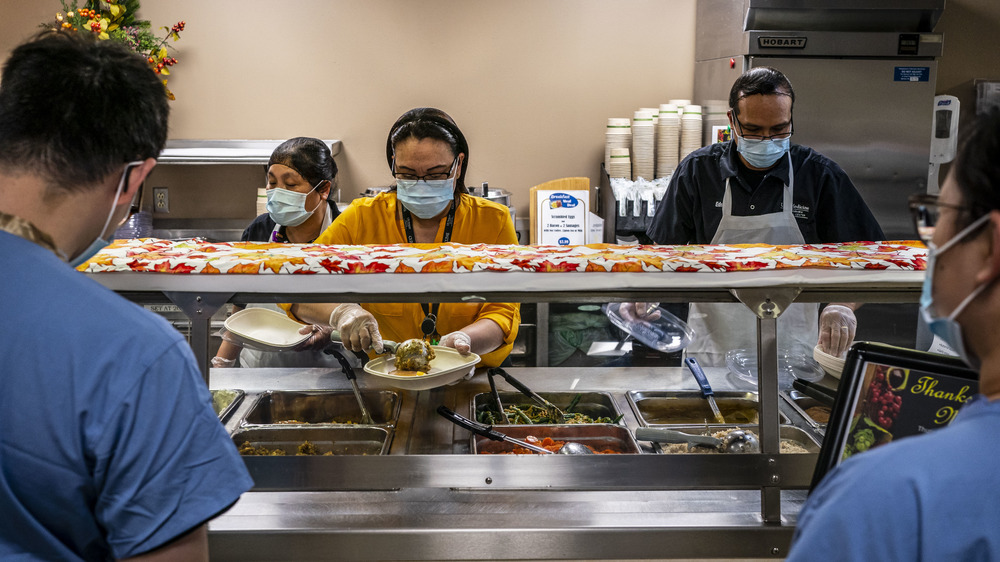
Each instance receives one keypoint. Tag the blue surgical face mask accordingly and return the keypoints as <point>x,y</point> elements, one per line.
<point>426,198</point>
<point>100,243</point>
<point>762,153</point>
<point>288,208</point>
<point>947,328</point>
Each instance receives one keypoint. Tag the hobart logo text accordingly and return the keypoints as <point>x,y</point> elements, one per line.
<point>782,42</point>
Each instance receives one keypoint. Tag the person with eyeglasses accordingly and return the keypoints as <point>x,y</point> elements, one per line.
<point>428,156</point>
<point>109,446</point>
<point>300,179</point>
<point>933,496</point>
<point>761,188</point>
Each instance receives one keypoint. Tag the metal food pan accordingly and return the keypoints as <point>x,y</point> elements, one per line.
<point>338,440</point>
<point>225,401</point>
<point>598,436</point>
<point>322,407</point>
<point>787,433</point>
<point>593,404</point>
<point>803,405</point>
<point>689,407</point>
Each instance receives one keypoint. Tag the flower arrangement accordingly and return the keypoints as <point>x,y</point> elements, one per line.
<point>116,20</point>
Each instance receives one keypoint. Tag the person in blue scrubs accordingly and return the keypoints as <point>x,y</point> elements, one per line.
<point>934,496</point>
<point>109,446</point>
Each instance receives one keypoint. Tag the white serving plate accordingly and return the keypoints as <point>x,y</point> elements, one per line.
<point>263,329</point>
<point>448,366</point>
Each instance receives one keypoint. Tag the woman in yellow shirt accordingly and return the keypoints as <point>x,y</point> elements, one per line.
<point>428,156</point>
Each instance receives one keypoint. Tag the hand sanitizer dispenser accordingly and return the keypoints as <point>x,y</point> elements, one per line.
<point>944,138</point>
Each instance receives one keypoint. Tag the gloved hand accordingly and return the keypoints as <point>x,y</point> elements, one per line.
<point>837,325</point>
<point>358,328</point>
<point>634,312</point>
<point>222,362</point>
<point>319,339</point>
<point>459,341</point>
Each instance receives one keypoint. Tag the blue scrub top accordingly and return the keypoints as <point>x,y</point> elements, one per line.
<point>929,497</point>
<point>109,446</point>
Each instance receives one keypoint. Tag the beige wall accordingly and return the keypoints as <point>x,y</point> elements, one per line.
<point>530,82</point>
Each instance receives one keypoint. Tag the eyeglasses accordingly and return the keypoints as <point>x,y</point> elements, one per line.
<point>926,211</point>
<point>136,205</point>
<point>779,136</point>
<point>429,177</point>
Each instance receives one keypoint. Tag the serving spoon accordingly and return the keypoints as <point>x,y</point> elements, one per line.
<point>734,441</point>
<point>568,448</point>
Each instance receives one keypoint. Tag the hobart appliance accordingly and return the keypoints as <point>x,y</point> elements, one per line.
<point>864,74</point>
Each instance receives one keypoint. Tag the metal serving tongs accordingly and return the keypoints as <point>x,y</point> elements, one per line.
<point>345,366</point>
<point>496,397</point>
<point>551,409</point>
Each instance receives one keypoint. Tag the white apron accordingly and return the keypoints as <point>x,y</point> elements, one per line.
<point>308,358</point>
<point>720,327</point>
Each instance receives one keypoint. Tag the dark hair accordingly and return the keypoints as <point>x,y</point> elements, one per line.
<point>310,157</point>
<point>74,110</point>
<point>977,168</point>
<point>429,123</point>
<point>762,80</point>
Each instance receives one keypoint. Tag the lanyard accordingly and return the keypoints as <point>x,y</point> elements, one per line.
<point>429,324</point>
<point>449,223</point>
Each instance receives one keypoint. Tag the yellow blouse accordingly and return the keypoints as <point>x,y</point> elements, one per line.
<point>372,220</point>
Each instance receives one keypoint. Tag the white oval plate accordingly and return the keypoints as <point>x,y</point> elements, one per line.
<point>447,367</point>
<point>262,328</point>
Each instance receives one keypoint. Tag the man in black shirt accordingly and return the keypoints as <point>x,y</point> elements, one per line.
<point>759,188</point>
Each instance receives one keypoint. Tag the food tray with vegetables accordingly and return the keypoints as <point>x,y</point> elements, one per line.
<point>339,407</point>
<point>579,407</point>
<point>601,438</point>
<point>224,401</point>
<point>322,441</point>
<point>653,408</point>
<point>816,413</point>
<point>793,440</point>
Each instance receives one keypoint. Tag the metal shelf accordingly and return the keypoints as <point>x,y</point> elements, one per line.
<point>225,151</point>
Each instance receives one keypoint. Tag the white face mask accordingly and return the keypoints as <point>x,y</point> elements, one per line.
<point>99,243</point>
<point>288,208</point>
<point>946,327</point>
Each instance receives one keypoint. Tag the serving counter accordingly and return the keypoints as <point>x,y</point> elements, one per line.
<point>429,498</point>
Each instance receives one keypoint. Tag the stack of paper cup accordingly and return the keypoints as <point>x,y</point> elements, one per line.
<point>643,141</point>
<point>618,135</point>
<point>621,164</point>
<point>691,127</point>
<point>680,103</point>
<point>668,140</point>
<point>715,120</point>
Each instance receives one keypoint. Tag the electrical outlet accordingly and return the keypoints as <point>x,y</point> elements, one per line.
<point>161,200</point>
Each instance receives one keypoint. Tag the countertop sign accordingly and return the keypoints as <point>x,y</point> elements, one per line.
<point>562,217</point>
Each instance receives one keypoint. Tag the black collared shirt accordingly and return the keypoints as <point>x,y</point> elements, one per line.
<point>826,205</point>
<point>262,227</point>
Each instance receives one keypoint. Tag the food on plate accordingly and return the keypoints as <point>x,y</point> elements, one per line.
<point>414,355</point>
<point>820,414</point>
<point>546,443</point>
<point>304,449</point>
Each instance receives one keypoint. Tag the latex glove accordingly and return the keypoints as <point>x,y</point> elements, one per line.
<point>319,339</point>
<point>358,328</point>
<point>634,312</point>
<point>837,326</point>
<point>222,362</point>
<point>459,341</point>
